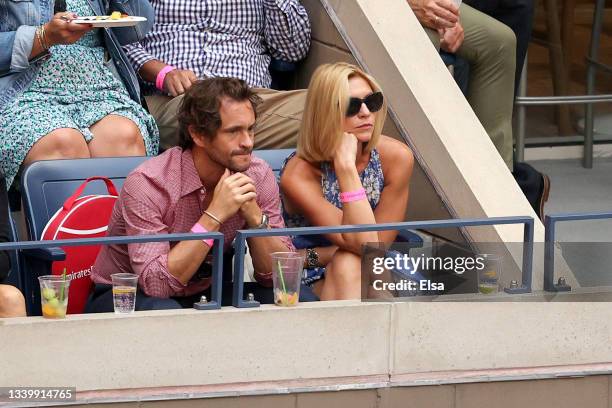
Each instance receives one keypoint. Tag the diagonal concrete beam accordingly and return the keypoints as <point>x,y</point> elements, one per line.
<point>436,120</point>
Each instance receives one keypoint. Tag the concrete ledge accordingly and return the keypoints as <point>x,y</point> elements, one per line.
<point>187,347</point>
<point>473,336</point>
<point>325,344</point>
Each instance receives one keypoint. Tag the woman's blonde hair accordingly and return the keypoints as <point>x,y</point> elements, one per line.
<point>326,104</point>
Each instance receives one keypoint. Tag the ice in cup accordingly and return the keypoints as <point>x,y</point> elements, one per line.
<point>489,276</point>
<point>287,271</point>
<point>54,295</point>
<point>124,292</point>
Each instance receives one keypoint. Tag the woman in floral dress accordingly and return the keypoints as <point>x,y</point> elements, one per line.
<point>65,88</point>
<point>344,172</point>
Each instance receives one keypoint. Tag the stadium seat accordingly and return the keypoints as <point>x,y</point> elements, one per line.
<point>15,276</point>
<point>274,157</point>
<point>45,186</point>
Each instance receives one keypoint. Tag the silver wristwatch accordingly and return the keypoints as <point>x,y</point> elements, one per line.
<point>264,222</point>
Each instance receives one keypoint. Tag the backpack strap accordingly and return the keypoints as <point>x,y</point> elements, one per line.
<point>109,186</point>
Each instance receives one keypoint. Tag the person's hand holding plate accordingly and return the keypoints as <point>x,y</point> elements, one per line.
<point>63,30</point>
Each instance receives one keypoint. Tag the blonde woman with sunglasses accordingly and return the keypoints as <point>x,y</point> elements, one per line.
<point>344,172</point>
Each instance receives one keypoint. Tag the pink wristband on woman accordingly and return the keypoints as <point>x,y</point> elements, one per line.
<point>161,76</point>
<point>350,196</point>
<point>198,229</point>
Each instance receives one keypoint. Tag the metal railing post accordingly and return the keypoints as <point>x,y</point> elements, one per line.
<point>527,256</point>
<point>238,288</point>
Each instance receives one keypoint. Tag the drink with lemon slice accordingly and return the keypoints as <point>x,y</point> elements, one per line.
<point>124,292</point>
<point>124,299</point>
<point>489,276</point>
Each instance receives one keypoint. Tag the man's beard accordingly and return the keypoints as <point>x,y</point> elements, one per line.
<point>230,164</point>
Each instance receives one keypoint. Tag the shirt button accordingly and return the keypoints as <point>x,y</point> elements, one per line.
<point>201,191</point>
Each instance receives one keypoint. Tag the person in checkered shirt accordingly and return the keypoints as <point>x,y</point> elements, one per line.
<point>196,39</point>
<point>210,183</point>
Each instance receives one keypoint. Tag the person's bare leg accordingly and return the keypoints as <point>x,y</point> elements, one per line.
<point>114,136</point>
<point>342,277</point>
<point>317,287</point>
<point>12,302</point>
<point>328,287</point>
<point>64,143</point>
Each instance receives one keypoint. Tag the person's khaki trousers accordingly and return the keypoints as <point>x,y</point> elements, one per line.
<point>490,49</point>
<point>280,114</point>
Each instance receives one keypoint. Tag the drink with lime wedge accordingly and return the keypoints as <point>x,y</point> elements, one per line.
<point>54,295</point>
<point>287,271</point>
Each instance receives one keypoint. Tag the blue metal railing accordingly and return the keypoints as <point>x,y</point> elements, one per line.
<point>242,235</point>
<point>550,222</point>
<point>217,273</point>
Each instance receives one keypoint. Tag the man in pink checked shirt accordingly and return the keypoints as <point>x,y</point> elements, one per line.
<point>210,183</point>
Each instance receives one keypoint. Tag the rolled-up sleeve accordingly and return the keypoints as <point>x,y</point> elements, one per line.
<point>15,49</point>
<point>22,48</point>
<point>149,260</point>
<point>287,29</point>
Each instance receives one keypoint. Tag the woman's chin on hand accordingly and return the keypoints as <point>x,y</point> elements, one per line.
<point>363,135</point>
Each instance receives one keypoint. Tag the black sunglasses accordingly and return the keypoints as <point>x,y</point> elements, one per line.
<point>373,102</point>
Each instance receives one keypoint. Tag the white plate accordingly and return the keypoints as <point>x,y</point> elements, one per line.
<point>107,22</point>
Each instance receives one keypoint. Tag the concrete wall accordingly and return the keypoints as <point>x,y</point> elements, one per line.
<point>314,347</point>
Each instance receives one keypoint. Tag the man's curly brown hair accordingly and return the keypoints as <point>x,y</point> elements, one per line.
<point>200,106</point>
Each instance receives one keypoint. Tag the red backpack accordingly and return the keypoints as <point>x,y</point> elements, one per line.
<point>80,217</point>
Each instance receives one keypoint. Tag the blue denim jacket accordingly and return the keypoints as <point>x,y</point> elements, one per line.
<point>18,22</point>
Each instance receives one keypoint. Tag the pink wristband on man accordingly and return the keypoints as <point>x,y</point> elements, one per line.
<point>198,229</point>
<point>350,196</point>
<point>161,76</point>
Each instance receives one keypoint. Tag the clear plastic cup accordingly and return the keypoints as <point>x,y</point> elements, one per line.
<point>54,296</point>
<point>489,276</point>
<point>124,292</point>
<point>287,271</point>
